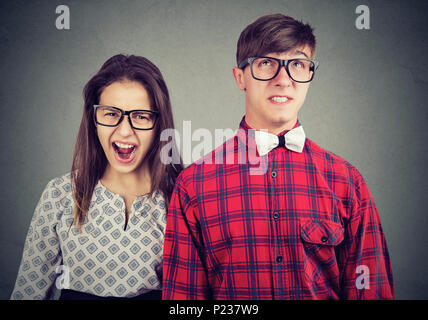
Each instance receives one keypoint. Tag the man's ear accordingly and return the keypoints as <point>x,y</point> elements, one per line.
<point>238,74</point>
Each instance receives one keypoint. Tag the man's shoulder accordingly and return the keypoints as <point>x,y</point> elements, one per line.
<point>196,170</point>
<point>209,164</point>
<point>329,163</point>
<point>321,155</point>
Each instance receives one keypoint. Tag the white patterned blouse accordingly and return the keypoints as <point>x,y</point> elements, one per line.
<point>103,259</point>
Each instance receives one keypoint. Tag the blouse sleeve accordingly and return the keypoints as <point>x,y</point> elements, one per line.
<point>42,254</point>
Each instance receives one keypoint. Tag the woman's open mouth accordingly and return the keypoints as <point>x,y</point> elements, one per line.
<point>124,153</point>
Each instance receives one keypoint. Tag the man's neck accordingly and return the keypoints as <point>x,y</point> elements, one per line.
<point>274,128</point>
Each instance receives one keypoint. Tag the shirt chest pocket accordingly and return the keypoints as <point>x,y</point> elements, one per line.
<point>321,232</point>
<point>319,241</point>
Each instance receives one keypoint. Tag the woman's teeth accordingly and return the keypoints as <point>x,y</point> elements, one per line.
<point>124,151</point>
<point>280,99</point>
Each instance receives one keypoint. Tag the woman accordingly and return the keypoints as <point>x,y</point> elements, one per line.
<point>98,231</point>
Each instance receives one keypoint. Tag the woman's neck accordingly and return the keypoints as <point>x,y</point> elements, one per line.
<point>135,183</point>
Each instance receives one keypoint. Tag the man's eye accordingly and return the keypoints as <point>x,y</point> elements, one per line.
<point>266,63</point>
<point>298,64</point>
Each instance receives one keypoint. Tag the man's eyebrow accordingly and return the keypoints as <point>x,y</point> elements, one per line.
<point>297,52</point>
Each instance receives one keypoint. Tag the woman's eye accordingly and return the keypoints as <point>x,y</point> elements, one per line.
<point>140,117</point>
<point>111,114</point>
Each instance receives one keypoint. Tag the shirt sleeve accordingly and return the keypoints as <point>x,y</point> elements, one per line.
<point>364,260</point>
<point>41,255</point>
<point>184,273</point>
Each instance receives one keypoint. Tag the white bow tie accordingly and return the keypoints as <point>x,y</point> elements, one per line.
<point>293,140</point>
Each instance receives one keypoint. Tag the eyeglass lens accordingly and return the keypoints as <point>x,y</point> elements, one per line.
<point>299,69</point>
<point>111,117</point>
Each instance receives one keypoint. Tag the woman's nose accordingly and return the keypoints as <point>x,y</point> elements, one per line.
<point>125,128</point>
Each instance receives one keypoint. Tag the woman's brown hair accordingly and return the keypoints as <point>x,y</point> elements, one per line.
<point>89,160</point>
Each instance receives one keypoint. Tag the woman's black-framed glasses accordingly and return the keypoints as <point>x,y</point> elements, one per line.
<point>110,116</point>
<point>267,68</point>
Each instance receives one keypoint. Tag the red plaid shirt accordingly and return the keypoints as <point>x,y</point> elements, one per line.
<point>306,228</point>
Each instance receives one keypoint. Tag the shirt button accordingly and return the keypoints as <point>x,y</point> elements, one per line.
<point>275,215</point>
<point>273,174</point>
<point>279,259</point>
<point>324,239</point>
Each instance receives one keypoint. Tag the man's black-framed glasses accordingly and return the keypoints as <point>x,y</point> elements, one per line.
<point>110,116</point>
<point>267,68</point>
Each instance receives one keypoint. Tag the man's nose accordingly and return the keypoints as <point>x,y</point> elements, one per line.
<point>282,78</point>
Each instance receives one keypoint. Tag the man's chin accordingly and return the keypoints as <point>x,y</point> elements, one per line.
<point>283,121</point>
<point>272,121</point>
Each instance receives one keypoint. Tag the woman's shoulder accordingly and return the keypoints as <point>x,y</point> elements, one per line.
<point>56,199</point>
<point>63,182</point>
<point>58,188</point>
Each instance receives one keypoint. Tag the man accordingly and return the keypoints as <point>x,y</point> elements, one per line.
<point>305,227</point>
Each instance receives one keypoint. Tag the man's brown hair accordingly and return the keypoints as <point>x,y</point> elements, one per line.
<point>274,33</point>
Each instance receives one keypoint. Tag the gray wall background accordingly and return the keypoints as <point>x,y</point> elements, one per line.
<point>367,103</point>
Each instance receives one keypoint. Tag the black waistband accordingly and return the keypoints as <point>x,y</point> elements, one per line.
<point>67,294</point>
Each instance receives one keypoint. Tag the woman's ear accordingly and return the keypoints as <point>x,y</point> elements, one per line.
<point>238,74</point>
